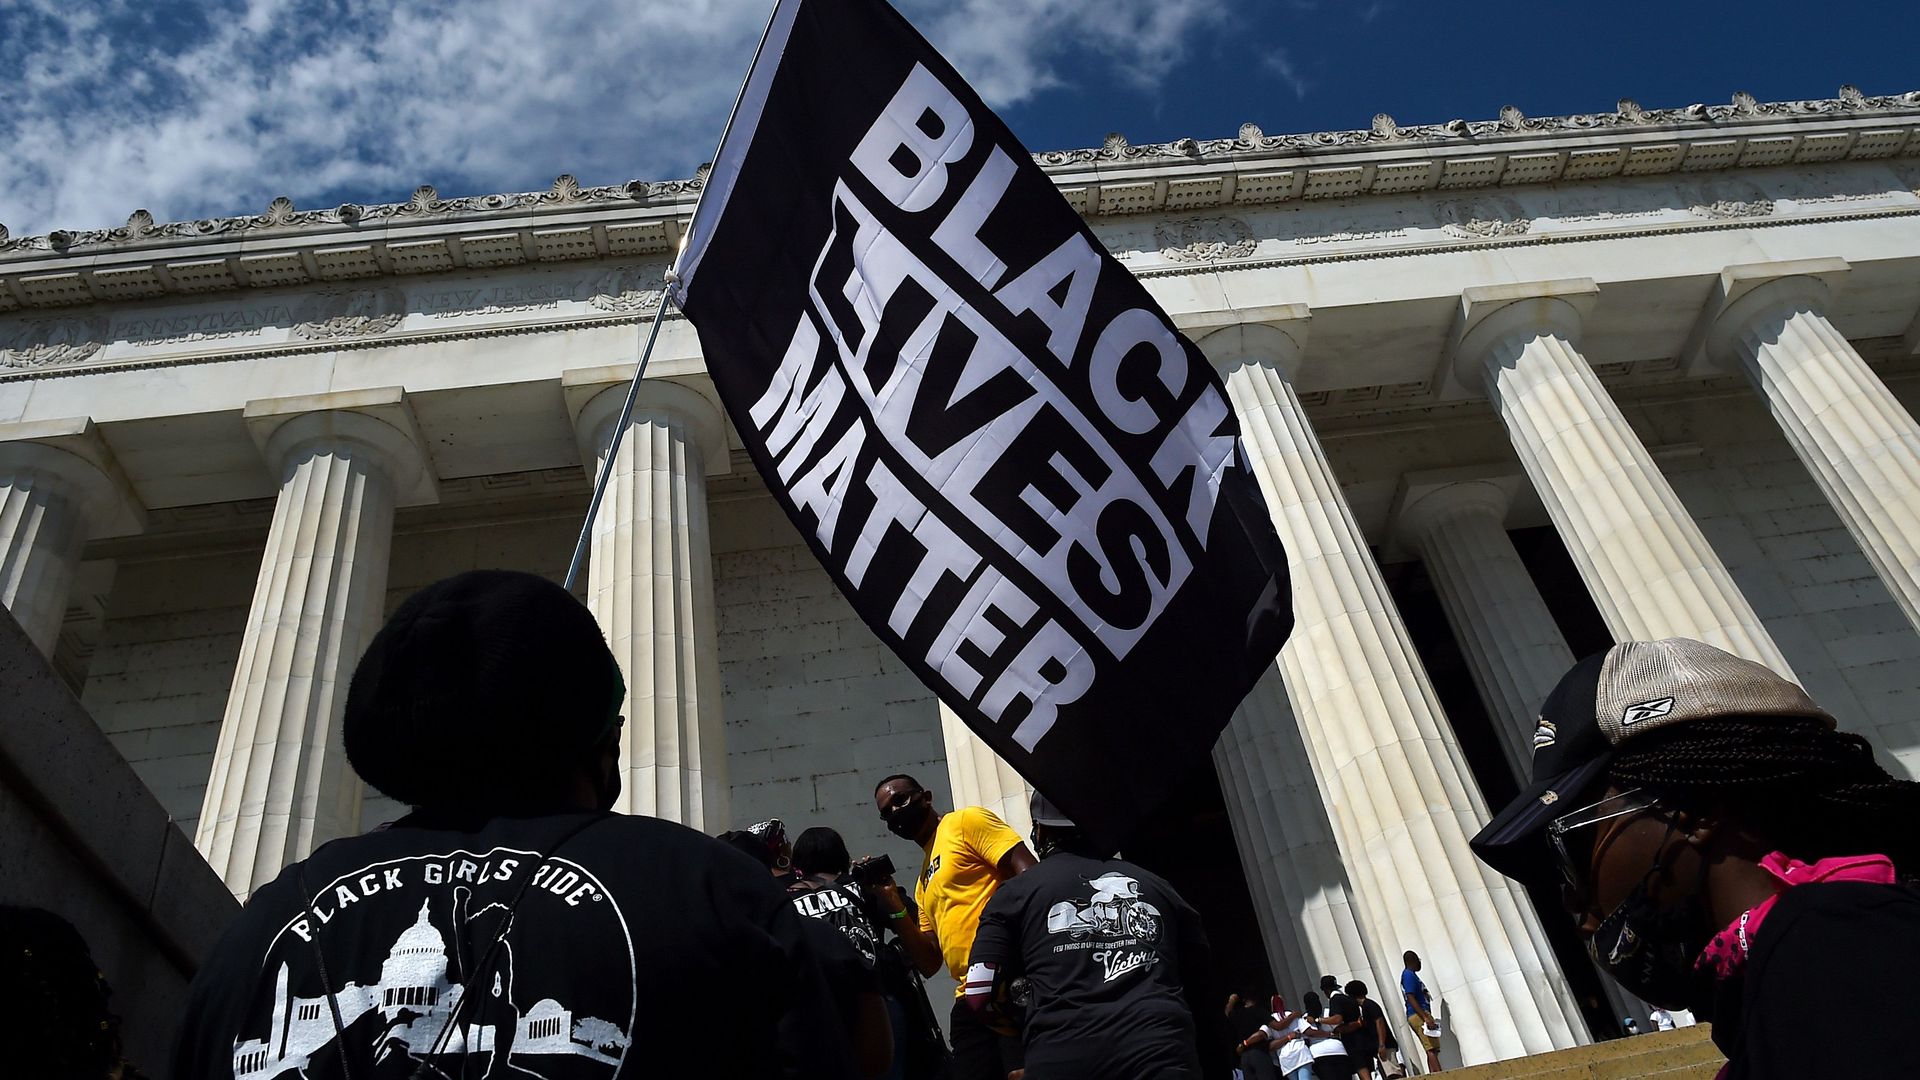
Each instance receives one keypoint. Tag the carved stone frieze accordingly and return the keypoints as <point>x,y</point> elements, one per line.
<point>1198,240</point>
<point>1727,199</point>
<point>1722,209</point>
<point>1483,228</point>
<point>360,313</point>
<point>624,290</point>
<point>35,343</point>
<point>1482,217</point>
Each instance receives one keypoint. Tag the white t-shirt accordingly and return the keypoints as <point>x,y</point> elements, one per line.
<point>1331,1047</point>
<point>1293,1053</point>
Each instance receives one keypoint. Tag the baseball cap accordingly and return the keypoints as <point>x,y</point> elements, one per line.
<point>1045,813</point>
<point>1609,699</point>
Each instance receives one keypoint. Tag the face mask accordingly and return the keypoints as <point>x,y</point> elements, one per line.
<point>907,821</point>
<point>1043,844</point>
<point>1650,950</point>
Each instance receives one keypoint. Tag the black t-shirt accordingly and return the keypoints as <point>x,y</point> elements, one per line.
<point>1111,953</point>
<point>570,946</point>
<point>1246,1018</point>
<point>839,904</point>
<point>846,973</point>
<point>845,940</point>
<point>1342,1004</point>
<point>1864,938</point>
<point>1363,1041</point>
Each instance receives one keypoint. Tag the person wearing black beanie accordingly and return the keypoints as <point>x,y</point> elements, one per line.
<point>510,924</point>
<point>489,692</point>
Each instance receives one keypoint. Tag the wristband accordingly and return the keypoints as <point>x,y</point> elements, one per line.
<point>901,914</point>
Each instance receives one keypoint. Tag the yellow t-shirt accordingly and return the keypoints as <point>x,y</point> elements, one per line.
<point>959,878</point>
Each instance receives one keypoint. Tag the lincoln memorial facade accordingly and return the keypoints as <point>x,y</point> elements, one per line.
<point>1513,388</point>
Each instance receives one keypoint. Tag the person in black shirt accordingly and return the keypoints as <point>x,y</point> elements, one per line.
<point>509,925</point>
<point>1331,1061</point>
<point>1368,1037</point>
<point>830,895</point>
<point>1245,1017</point>
<point>847,968</point>
<point>1724,848</point>
<point>1114,962</point>
<point>828,888</point>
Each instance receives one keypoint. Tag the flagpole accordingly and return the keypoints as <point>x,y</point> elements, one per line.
<point>659,316</point>
<point>613,446</point>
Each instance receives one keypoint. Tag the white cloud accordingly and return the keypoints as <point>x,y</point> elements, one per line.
<point>192,112</point>
<point>1281,64</point>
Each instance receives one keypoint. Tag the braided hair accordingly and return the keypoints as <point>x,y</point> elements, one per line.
<point>1809,790</point>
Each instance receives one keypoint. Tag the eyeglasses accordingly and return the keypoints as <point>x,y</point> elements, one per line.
<point>898,802</point>
<point>1573,868</point>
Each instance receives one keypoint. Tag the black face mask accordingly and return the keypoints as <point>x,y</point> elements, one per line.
<point>907,821</point>
<point>1650,950</point>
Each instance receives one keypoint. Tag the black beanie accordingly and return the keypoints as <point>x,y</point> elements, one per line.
<point>480,692</point>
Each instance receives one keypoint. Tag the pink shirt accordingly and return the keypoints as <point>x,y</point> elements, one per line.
<point>1726,954</point>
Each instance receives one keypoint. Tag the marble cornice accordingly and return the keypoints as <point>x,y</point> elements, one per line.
<point>442,308</point>
<point>425,235</point>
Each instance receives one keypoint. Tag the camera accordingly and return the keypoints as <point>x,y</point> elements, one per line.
<point>872,870</point>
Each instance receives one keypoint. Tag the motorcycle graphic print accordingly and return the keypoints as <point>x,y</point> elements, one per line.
<point>1121,929</point>
<point>1113,910</point>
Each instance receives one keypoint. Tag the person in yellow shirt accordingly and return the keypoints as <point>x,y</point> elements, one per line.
<point>969,852</point>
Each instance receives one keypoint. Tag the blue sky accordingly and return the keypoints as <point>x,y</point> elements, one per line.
<point>214,108</point>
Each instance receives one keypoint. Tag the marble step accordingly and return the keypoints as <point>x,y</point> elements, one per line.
<point>1685,1054</point>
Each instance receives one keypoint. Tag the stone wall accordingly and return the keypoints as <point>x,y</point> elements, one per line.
<point>818,710</point>
<point>158,683</point>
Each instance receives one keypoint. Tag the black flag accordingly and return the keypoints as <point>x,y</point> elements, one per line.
<point>1023,478</point>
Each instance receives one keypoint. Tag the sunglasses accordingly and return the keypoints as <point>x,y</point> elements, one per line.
<point>1573,865</point>
<point>899,801</point>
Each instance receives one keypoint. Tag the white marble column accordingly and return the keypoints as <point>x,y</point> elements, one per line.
<point>1400,798</point>
<point>1859,443</point>
<point>1649,568</point>
<point>59,488</point>
<point>650,586</point>
<point>978,777</point>
<point>1512,645</point>
<point>1300,888</point>
<point>280,784</point>
<point>1259,851</point>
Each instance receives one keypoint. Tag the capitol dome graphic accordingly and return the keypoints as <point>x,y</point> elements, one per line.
<point>412,1013</point>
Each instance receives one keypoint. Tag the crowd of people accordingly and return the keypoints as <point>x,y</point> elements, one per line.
<point>1681,796</point>
<point>512,917</point>
<point>1338,1033</point>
